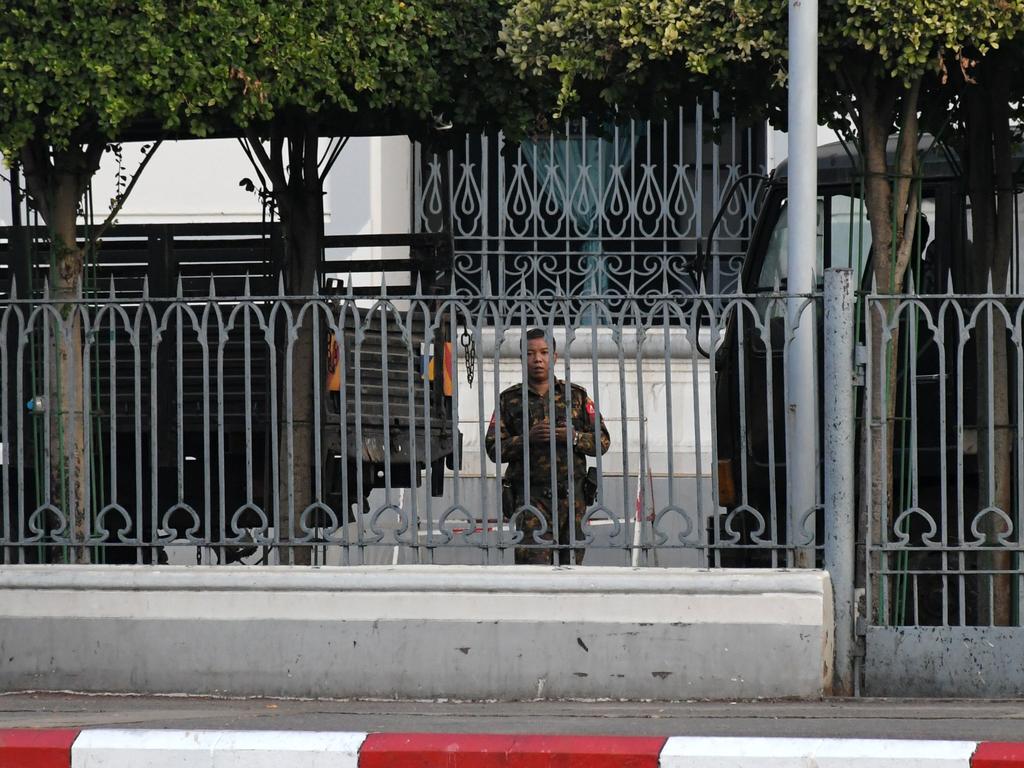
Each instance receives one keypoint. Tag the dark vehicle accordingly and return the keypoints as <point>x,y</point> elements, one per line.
<point>178,406</point>
<point>751,448</point>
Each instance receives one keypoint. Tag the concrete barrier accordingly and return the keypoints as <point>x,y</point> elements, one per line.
<point>121,748</point>
<point>417,632</point>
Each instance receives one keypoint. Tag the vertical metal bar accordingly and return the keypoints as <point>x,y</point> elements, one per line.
<point>716,192</point>
<point>499,458</point>
<point>429,392</point>
<point>207,458</point>
<point>839,426</point>
<point>144,312</point>
<point>1018,354</point>
<point>7,535</point>
<point>414,418</point>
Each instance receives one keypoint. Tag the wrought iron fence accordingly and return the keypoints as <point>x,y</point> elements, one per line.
<point>607,201</point>
<point>342,429</point>
<point>942,455</point>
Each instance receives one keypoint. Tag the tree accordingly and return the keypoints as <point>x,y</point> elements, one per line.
<point>985,126</point>
<point>335,69</point>
<point>74,76</point>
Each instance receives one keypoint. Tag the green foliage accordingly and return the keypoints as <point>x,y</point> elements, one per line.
<point>376,64</point>
<point>739,46</point>
<point>75,70</point>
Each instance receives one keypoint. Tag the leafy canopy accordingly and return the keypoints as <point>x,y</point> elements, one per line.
<point>72,70</point>
<point>738,46</point>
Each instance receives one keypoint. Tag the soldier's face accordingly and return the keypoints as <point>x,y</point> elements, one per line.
<point>538,360</point>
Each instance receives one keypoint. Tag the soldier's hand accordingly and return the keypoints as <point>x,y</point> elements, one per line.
<point>541,431</point>
<point>560,434</point>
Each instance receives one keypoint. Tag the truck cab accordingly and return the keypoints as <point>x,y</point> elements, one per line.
<point>751,451</point>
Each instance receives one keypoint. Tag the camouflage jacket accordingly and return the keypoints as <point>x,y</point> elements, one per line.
<point>515,447</point>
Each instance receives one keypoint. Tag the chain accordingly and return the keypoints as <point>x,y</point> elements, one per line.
<point>468,354</point>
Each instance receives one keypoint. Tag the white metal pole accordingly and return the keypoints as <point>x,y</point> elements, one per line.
<point>801,370</point>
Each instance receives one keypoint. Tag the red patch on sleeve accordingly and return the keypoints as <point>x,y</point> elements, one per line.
<point>491,425</point>
<point>591,411</point>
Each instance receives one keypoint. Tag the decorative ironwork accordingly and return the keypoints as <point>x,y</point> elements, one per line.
<point>614,205</point>
<point>941,485</point>
<point>188,413</point>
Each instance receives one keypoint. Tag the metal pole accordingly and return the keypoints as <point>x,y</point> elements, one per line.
<point>840,535</point>
<point>801,394</point>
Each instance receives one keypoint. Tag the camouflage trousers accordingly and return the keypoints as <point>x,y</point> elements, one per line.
<point>543,546</point>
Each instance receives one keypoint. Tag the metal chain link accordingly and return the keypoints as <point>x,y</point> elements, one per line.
<point>468,354</point>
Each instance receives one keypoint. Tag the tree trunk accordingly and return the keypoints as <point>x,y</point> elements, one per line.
<point>299,196</point>
<point>69,488</point>
<point>302,255</point>
<point>892,211</point>
<point>56,181</point>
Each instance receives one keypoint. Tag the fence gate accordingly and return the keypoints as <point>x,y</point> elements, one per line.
<point>940,495</point>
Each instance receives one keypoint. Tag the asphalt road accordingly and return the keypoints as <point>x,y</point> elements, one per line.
<point>856,718</point>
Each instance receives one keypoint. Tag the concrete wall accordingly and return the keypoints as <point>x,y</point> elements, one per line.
<point>415,632</point>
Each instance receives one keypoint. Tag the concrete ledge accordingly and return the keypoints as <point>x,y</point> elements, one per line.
<point>417,632</point>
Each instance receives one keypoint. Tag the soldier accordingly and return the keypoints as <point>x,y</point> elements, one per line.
<point>537,451</point>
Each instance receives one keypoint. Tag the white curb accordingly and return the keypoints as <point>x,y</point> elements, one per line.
<point>116,748</point>
<point>723,752</point>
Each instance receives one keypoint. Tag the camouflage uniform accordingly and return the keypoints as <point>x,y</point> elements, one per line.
<point>515,446</point>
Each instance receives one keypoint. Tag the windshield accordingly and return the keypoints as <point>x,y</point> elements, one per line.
<point>846,240</point>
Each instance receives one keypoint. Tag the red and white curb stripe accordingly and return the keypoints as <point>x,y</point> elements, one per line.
<point>115,748</point>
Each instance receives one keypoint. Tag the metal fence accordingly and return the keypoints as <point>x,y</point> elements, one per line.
<point>611,200</point>
<point>344,429</point>
<point>943,490</point>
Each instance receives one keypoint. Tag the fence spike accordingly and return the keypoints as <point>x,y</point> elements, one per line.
<point>245,285</point>
<point>145,287</point>
<point>14,286</point>
<point>383,283</point>
<point>419,284</point>
<point>316,286</point>
<point>911,286</point>
<point>110,291</point>
<point>949,282</point>
<point>179,289</point>
<point>1008,276</point>
<point>46,289</point>
<point>213,287</point>
<point>988,284</point>
<point>874,283</point>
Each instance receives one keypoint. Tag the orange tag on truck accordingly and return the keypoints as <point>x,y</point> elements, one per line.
<point>333,369</point>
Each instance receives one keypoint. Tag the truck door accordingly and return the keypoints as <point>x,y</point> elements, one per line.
<point>750,364</point>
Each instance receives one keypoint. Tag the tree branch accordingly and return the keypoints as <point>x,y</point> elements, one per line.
<point>120,199</point>
<point>35,164</point>
<point>904,203</point>
<point>311,170</point>
<point>271,165</point>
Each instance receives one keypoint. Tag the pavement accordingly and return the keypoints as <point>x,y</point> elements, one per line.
<point>971,720</point>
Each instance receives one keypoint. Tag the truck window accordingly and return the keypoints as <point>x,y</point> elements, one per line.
<point>774,267</point>
<point>846,240</point>
<point>850,240</point>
